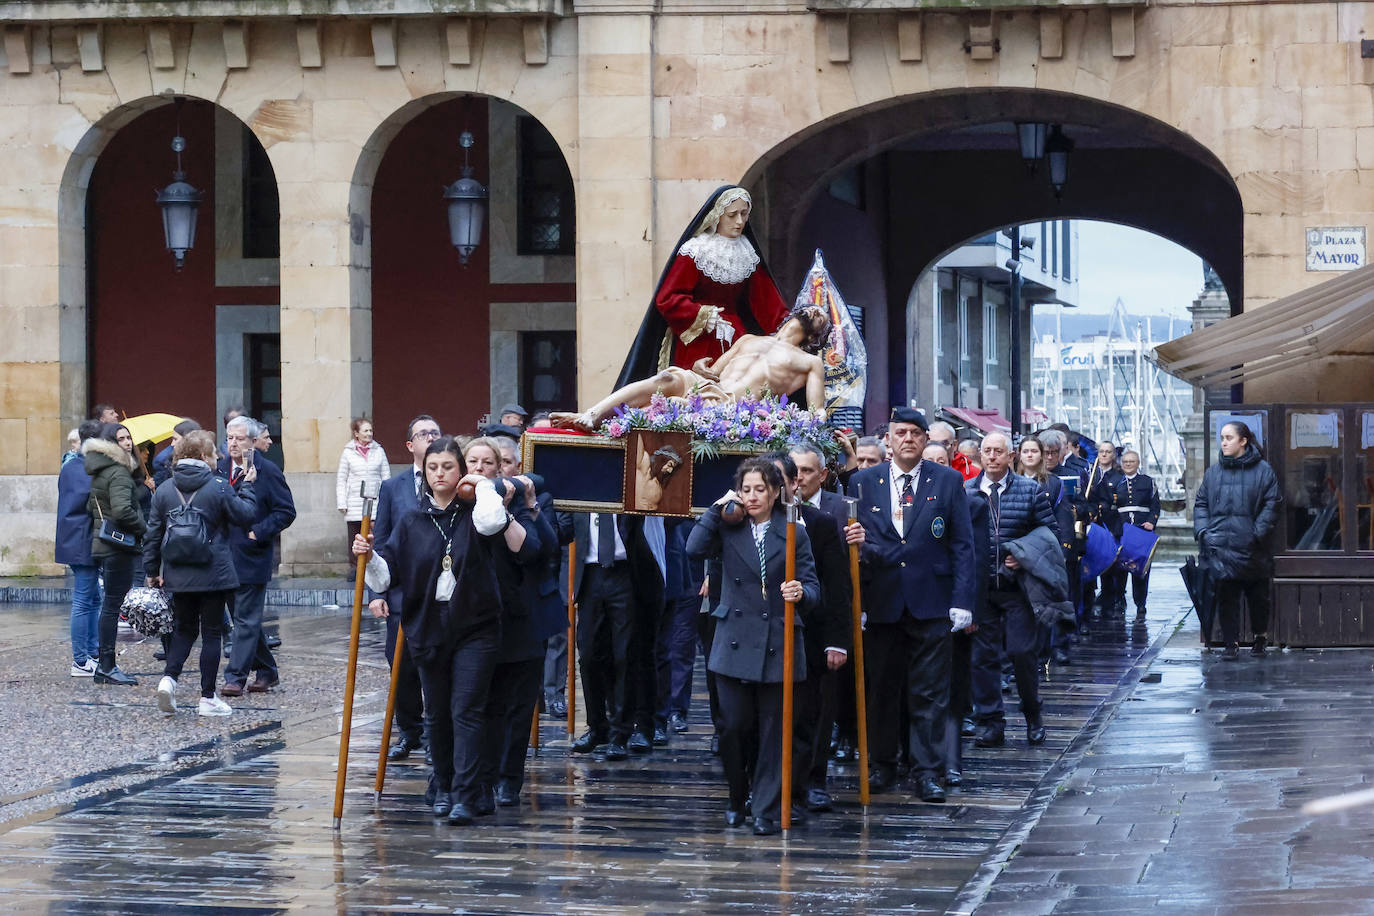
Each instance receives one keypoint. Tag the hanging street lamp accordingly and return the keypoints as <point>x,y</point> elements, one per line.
<point>1057,150</point>
<point>180,202</point>
<point>1030,138</point>
<point>467,206</point>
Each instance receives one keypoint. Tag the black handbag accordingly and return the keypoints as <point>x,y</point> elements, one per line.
<point>112,534</point>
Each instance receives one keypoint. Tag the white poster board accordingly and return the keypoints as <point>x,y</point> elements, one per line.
<point>1319,429</point>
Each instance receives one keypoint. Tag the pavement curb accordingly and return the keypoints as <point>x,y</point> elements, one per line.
<point>977,888</point>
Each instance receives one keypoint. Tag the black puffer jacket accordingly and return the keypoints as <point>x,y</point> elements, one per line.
<point>222,508</point>
<point>1234,515</point>
<point>1022,507</point>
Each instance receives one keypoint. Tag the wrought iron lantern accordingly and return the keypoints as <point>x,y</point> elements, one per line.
<point>467,206</point>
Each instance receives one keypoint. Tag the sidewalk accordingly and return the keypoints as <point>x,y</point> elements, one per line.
<point>291,592</point>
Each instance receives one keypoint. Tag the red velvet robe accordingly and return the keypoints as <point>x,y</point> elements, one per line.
<point>686,289</point>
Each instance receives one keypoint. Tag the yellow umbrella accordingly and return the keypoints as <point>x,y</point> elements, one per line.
<point>151,427</point>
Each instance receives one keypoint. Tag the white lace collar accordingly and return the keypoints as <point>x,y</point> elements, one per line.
<point>722,259</point>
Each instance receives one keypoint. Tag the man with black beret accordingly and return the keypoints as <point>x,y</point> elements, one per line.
<point>918,584</point>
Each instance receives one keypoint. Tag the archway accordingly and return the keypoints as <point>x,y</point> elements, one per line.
<point>459,341</point>
<point>890,187</point>
<point>136,331</point>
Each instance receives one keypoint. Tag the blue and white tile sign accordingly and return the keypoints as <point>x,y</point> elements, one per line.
<point>1335,248</point>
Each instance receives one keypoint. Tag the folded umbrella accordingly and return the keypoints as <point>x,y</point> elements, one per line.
<point>151,427</point>
<point>1201,589</point>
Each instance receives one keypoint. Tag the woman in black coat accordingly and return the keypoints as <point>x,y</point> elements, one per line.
<point>440,556</point>
<point>747,651</point>
<point>1234,515</point>
<point>199,590</point>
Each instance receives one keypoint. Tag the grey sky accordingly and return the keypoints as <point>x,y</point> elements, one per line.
<point>1152,275</point>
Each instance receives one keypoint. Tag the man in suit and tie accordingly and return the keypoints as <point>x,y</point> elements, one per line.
<point>918,585</point>
<point>397,496</point>
<point>252,551</point>
<point>619,571</point>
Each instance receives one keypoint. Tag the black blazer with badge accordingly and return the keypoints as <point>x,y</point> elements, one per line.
<point>749,626</point>
<point>929,567</point>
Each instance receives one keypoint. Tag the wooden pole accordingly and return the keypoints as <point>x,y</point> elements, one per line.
<point>572,639</point>
<point>788,667</point>
<point>534,730</point>
<point>352,665</point>
<point>390,711</point>
<point>860,701</point>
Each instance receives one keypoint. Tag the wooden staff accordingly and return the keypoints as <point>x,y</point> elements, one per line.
<point>534,730</point>
<point>390,711</point>
<point>352,661</point>
<point>860,701</point>
<point>572,639</point>
<point>788,665</point>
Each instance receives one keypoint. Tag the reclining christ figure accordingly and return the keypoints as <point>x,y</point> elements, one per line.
<point>785,362</point>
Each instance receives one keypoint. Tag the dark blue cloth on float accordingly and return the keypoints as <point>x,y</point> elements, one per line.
<point>1137,549</point>
<point>1100,552</point>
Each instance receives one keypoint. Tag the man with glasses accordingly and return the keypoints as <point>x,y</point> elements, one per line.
<point>402,493</point>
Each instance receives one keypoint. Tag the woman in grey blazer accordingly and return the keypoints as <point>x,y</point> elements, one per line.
<point>747,652</point>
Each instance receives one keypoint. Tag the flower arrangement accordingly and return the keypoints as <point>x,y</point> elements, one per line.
<point>762,424</point>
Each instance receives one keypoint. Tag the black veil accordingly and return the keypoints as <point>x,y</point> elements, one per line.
<point>642,361</point>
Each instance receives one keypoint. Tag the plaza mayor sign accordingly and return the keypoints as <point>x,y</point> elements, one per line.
<point>1335,248</point>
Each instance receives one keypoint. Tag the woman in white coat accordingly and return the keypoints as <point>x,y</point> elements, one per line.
<point>363,460</point>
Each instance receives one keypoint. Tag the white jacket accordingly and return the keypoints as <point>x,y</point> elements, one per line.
<point>353,470</point>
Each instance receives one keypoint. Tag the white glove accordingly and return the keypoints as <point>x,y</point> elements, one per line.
<point>959,620</point>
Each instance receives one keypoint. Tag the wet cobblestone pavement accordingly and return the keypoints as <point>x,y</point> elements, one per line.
<point>1180,795</point>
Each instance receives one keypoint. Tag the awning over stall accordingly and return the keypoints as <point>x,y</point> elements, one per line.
<point>1281,335</point>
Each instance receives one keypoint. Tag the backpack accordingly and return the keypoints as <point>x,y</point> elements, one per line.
<point>187,538</point>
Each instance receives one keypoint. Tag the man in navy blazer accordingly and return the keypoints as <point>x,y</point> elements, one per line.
<point>252,550</point>
<point>395,498</point>
<point>918,586</point>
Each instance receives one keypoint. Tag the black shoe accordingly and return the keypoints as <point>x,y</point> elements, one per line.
<point>798,815</point>
<point>1035,729</point>
<point>506,795</point>
<point>1060,657</point>
<point>460,815</point>
<point>734,818</point>
<point>930,790</point>
<point>589,742</point>
<point>558,708</point>
<point>227,649</point>
<point>818,800</point>
<point>1229,654</point>
<point>442,806</point>
<point>990,736</point>
<point>638,743</point>
<point>1006,683</point>
<point>844,749</point>
<point>1140,612</point>
<point>953,777</point>
<point>880,779</point>
<point>113,675</point>
<point>677,722</point>
<point>660,736</point>
<point>616,751</point>
<point>967,727</point>
<point>429,756</point>
<point>715,745</point>
<point>764,827</point>
<point>1258,649</point>
<point>160,654</point>
<point>274,642</point>
<point>401,750</point>
<point>485,803</point>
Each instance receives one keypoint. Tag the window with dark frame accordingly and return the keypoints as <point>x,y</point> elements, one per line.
<point>548,370</point>
<point>545,221</point>
<point>261,208</point>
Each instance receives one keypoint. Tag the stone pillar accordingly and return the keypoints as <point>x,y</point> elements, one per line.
<point>615,194</point>
<point>1211,306</point>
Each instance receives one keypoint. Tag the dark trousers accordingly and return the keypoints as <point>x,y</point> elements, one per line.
<point>644,666</point>
<point>354,529</point>
<point>455,686</point>
<point>410,704</point>
<point>203,613</point>
<point>117,569</point>
<point>706,633</point>
<point>250,652</point>
<point>846,704</point>
<point>751,744</point>
<point>556,666</point>
<point>1256,592</point>
<point>960,697</point>
<point>605,631</point>
<point>510,710</point>
<point>912,658</point>
<point>813,717</point>
<point>677,655</point>
<point>1009,616</point>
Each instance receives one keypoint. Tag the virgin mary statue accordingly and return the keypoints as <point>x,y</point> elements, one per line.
<point>715,287</point>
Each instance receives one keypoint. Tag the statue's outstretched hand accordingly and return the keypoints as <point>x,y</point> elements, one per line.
<point>702,367</point>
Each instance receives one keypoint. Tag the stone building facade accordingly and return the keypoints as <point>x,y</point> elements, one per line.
<point>1230,127</point>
